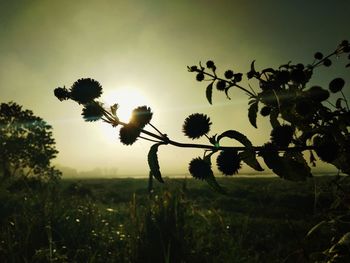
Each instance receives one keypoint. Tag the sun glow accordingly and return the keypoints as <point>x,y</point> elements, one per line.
<point>127,100</point>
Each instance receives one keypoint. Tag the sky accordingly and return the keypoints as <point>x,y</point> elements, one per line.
<point>139,52</point>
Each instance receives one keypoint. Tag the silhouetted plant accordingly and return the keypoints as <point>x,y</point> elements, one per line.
<point>26,144</point>
<point>299,119</point>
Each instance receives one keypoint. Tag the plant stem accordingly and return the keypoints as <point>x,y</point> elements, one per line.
<point>166,140</point>
<point>148,139</point>
<point>322,60</point>
<point>156,129</point>
<point>231,84</point>
<point>346,101</point>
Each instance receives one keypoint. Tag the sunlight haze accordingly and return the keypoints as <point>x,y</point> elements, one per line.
<point>139,52</point>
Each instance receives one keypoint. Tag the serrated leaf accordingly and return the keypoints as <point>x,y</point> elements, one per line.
<point>209,92</point>
<point>249,157</point>
<point>272,160</point>
<point>210,178</point>
<point>274,118</point>
<point>237,136</point>
<point>252,113</point>
<point>291,167</point>
<point>153,162</point>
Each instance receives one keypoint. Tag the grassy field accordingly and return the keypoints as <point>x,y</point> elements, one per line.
<point>184,220</point>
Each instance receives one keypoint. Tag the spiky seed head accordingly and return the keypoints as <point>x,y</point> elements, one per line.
<point>92,111</point>
<point>196,125</point>
<point>128,134</point>
<point>199,168</point>
<point>141,116</point>
<point>228,162</point>
<point>85,90</point>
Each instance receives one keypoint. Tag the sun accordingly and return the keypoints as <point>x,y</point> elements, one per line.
<point>127,99</point>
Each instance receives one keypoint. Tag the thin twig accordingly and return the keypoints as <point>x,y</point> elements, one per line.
<point>346,101</point>
<point>234,84</point>
<point>148,139</point>
<point>160,133</point>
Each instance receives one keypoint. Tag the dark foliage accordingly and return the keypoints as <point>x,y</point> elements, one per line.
<point>26,143</point>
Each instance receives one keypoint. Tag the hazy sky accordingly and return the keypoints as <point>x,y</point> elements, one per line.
<point>144,47</point>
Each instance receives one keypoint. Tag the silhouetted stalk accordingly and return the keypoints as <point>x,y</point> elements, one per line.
<point>148,139</point>
<point>163,138</point>
<point>322,60</point>
<point>346,102</point>
<point>230,83</point>
<point>160,133</point>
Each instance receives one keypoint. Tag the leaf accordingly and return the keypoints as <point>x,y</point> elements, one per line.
<point>249,157</point>
<point>271,159</point>
<point>209,92</point>
<point>292,166</point>
<point>338,103</point>
<point>273,118</point>
<point>252,66</point>
<point>252,113</point>
<point>252,100</point>
<point>153,162</point>
<point>226,92</point>
<point>297,156</point>
<point>237,136</point>
<point>211,180</point>
<point>268,70</point>
<point>252,71</point>
<point>286,66</point>
<point>214,184</point>
<point>295,171</point>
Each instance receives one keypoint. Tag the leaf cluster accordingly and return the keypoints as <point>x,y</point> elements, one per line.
<point>26,143</point>
<point>298,113</point>
<point>300,120</point>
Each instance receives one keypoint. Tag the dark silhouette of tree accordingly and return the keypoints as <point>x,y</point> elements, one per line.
<point>26,144</point>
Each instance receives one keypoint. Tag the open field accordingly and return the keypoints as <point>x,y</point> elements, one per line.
<point>184,220</point>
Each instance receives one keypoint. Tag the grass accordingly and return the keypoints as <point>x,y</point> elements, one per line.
<point>184,220</point>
